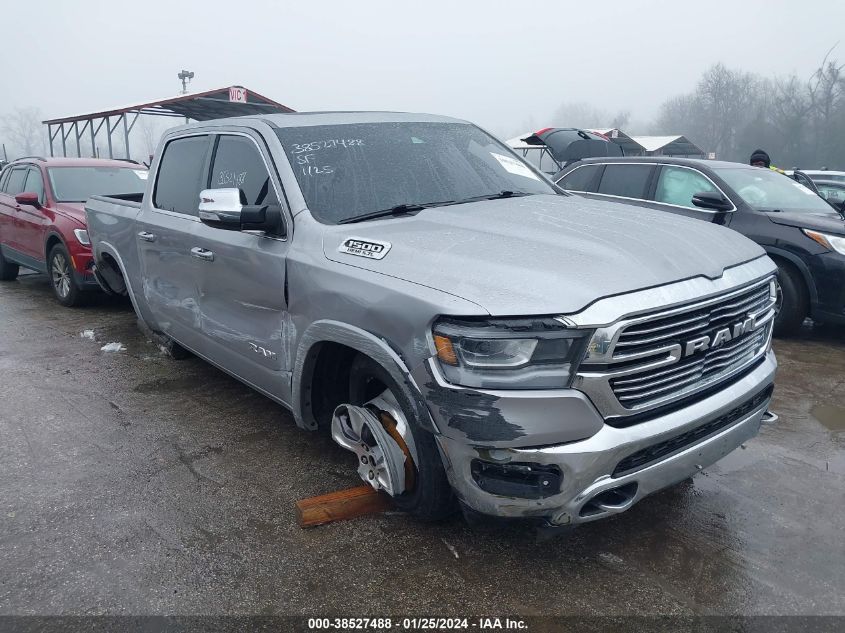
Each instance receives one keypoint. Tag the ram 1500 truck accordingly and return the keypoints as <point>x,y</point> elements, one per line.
<point>464,328</point>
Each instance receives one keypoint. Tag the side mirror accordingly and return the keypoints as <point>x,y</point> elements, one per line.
<point>224,209</point>
<point>28,197</point>
<point>712,200</point>
<point>221,207</point>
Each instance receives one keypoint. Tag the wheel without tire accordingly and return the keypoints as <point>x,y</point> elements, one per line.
<point>60,270</point>
<point>430,497</point>
<point>794,301</point>
<point>8,270</point>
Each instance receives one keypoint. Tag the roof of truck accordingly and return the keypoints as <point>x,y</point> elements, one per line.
<point>61,161</point>
<point>304,119</point>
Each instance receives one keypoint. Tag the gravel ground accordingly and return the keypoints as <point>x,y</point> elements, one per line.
<point>134,484</point>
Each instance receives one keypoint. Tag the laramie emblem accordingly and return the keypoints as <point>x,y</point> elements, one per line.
<point>371,249</point>
<point>719,337</point>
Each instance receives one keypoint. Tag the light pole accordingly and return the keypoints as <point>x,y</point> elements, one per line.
<point>185,76</point>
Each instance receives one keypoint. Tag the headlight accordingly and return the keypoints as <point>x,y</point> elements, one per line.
<point>82,237</point>
<point>509,353</point>
<point>830,242</point>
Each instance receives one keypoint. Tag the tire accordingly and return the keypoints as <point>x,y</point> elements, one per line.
<point>431,498</point>
<point>8,271</point>
<point>794,303</point>
<point>60,271</point>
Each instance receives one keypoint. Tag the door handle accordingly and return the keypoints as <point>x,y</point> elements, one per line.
<point>147,237</point>
<point>202,253</point>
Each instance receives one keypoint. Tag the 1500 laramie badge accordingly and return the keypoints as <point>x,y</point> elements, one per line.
<point>479,340</point>
<point>365,248</point>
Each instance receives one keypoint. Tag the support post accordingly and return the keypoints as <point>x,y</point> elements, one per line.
<point>125,135</point>
<point>64,141</point>
<point>108,133</point>
<point>76,134</point>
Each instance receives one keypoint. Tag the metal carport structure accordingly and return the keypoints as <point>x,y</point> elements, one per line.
<point>200,106</point>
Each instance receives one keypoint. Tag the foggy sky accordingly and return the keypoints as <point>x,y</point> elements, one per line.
<point>499,64</point>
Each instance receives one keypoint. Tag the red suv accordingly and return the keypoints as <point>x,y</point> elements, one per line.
<point>42,217</point>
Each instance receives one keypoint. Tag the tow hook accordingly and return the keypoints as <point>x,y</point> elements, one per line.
<point>381,460</point>
<point>769,418</point>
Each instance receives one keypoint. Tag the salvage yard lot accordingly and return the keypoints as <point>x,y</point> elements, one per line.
<point>134,484</point>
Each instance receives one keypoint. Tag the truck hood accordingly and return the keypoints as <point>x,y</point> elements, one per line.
<point>543,254</point>
<point>826,222</point>
<point>73,210</point>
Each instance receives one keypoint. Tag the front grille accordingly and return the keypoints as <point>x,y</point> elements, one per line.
<point>638,389</point>
<point>656,452</point>
<point>647,363</point>
<point>660,332</point>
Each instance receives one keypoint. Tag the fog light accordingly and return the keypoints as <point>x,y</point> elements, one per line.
<point>524,480</point>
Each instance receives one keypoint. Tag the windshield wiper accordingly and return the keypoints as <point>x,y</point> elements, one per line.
<point>398,210</point>
<point>494,196</point>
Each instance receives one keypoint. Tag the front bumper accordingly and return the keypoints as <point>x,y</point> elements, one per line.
<point>83,270</point>
<point>828,270</point>
<point>587,466</point>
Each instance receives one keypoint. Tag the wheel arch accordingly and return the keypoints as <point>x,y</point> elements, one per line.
<point>105,249</point>
<point>778,254</point>
<point>322,334</point>
<point>53,238</point>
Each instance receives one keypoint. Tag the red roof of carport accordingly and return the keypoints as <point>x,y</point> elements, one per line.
<point>200,106</point>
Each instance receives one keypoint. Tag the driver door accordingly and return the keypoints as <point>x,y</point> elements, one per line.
<point>33,221</point>
<point>241,274</point>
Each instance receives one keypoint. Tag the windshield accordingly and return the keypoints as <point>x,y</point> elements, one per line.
<point>767,190</point>
<point>350,170</point>
<point>77,184</point>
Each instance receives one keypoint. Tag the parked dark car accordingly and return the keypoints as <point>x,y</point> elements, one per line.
<point>833,191</point>
<point>801,232</point>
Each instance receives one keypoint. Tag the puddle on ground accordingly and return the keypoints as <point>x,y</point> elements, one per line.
<point>831,416</point>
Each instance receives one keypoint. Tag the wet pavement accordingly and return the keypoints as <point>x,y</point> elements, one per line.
<point>134,484</point>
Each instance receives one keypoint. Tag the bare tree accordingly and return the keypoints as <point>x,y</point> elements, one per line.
<point>24,132</point>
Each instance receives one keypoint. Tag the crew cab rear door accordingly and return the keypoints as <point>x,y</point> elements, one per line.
<point>164,233</point>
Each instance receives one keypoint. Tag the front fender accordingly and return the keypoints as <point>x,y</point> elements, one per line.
<point>328,331</point>
<point>792,258</point>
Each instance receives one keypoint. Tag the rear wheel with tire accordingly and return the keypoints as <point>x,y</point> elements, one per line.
<point>427,495</point>
<point>794,304</point>
<point>8,270</point>
<point>60,270</point>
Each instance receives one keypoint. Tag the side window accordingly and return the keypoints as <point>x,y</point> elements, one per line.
<point>629,181</point>
<point>14,185</point>
<point>238,165</point>
<point>180,175</point>
<point>35,184</point>
<point>580,179</point>
<point>677,185</point>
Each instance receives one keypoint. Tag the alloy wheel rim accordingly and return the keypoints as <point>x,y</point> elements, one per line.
<point>61,275</point>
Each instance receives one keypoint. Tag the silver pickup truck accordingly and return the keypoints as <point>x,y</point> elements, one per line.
<point>465,329</point>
